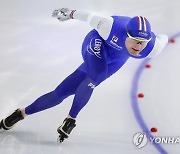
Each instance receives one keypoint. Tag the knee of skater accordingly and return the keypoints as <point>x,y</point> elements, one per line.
<point>98,78</point>
<point>60,92</point>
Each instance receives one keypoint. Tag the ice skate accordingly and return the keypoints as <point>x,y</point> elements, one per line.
<point>65,129</point>
<point>9,122</point>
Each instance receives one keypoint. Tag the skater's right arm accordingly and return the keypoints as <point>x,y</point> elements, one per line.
<point>102,24</point>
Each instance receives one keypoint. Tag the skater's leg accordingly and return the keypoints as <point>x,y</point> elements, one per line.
<point>65,89</point>
<point>83,92</point>
<point>96,66</point>
<point>82,96</point>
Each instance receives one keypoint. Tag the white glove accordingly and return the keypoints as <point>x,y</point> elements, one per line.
<point>63,14</point>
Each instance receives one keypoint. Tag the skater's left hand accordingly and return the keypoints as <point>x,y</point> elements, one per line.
<point>62,14</point>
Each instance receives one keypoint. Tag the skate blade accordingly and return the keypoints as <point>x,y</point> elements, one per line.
<point>60,139</point>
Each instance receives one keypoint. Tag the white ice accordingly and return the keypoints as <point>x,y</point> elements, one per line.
<point>37,52</point>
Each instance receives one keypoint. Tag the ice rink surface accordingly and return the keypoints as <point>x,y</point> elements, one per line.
<point>37,52</point>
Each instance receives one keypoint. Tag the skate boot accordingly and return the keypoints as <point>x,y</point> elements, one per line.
<point>65,129</point>
<point>9,122</point>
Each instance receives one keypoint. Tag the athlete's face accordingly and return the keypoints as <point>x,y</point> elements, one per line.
<point>134,47</point>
